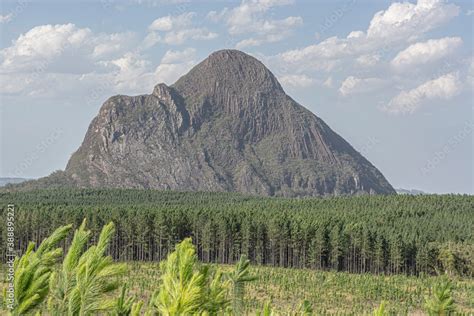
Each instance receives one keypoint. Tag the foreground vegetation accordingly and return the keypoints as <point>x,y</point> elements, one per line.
<point>86,283</point>
<point>327,292</point>
<point>376,234</point>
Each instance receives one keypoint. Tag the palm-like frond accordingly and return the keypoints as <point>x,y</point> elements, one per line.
<point>306,308</point>
<point>182,287</point>
<point>187,288</point>
<point>124,304</point>
<point>380,311</point>
<point>136,308</point>
<point>266,311</point>
<point>441,301</point>
<point>33,271</point>
<point>239,277</point>
<point>86,276</point>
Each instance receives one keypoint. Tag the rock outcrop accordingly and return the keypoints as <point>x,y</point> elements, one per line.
<point>227,125</point>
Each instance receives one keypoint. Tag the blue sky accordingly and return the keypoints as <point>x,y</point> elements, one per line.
<point>394,78</point>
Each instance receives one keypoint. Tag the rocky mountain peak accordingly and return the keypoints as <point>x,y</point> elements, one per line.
<point>228,71</point>
<point>227,125</point>
<point>162,91</point>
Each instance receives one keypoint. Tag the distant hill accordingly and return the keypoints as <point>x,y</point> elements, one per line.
<point>5,181</point>
<point>410,191</point>
<point>227,125</point>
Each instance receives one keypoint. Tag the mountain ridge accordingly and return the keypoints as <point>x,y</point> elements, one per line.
<point>227,125</point>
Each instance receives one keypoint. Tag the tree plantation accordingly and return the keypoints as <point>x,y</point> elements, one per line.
<point>83,280</point>
<point>377,234</point>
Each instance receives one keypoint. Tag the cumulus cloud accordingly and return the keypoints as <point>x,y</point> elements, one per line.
<point>54,58</point>
<point>354,85</point>
<point>169,73</point>
<point>175,30</point>
<point>394,40</point>
<point>249,17</point>
<point>407,20</point>
<point>368,60</point>
<point>296,81</point>
<point>272,31</point>
<point>168,23</point>
<point>426,52</point>
<point>388,30</point>
<point>174,64</point>
<point>443,87</point>
<point>328,83</point>
<point>173,56</point>
<point>6,18</point>
<point>181,36</point>
<point>62,47</point>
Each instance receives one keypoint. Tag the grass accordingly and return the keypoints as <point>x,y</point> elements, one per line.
<point>333,293</point>
<point>328,292</point>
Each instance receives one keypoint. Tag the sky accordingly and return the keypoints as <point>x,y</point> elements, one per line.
<point>394,78</point>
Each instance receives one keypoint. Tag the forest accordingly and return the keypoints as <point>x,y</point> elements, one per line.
<point>83,280</point>
<point>391,234</point>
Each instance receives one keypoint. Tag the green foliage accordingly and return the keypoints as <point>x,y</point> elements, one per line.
<point>306,308</point>
<point>33,270</point>
<point>182,290</point>
<point>266,311</point>
<point>95,275</point>
<point>64,281</point>
<point>81,286</point>
<point>189,288</point>
<point>380,311</point>
<point>186,287</point>
<point>441,301</point>
<point>239,277</point>
<point>136,308</point>
<point>375,234</point>
<point>126,306</point>
<point>384,235</point>
<point>330,293</point>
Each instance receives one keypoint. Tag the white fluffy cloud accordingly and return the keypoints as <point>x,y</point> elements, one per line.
<point>172,56</point>
<point>61,48</point>
<point>133,74</point>
<point>426,52</point>
<point>174,64</point>
<point>175,30</point>
<point>353,85</point>
<point>388,29</point>
<point>364,56</point>
<point>328,83</point>
<point>368,60</point>
<point>404,20</point>
<point>443,87</point>
<point>249,17</point>
<point>168,23</point>
<point>272,31</point>
<point>296,81</point>
<point>55,58</point>
<point>6,18</point>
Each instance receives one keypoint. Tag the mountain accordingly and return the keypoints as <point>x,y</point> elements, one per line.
<point>5,181</point>
<point>410,191</point>
<point>227,125</point>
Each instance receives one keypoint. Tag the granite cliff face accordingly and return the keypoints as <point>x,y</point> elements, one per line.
<point>227,125</point>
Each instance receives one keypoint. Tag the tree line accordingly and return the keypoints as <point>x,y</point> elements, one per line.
<point>376,234</point>
<point>82,280</point>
